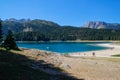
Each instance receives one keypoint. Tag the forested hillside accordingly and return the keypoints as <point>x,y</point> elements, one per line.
<point>41,30</point>
<point>70,33</point>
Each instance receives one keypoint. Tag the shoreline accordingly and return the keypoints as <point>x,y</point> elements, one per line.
<point>68,41</point>
<point>87,67</point>
<point>113,49</point>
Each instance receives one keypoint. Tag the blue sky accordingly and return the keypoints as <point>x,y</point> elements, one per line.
<point>63,12</point>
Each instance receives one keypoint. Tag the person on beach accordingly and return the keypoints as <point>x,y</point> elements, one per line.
<point>84,54</point>
<point>93,53</point>
<point>112,48</point>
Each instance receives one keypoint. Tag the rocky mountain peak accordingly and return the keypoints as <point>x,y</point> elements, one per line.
<point>96,24</point>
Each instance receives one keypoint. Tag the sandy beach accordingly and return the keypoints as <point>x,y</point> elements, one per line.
<point>86,67</point>
<point>113,49</point>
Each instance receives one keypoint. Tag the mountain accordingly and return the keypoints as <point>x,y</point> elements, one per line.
<point>28,25</point>
<point>42,30</point>
<point>102,25</point>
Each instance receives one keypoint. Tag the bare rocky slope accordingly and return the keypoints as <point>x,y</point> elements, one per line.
<point>102,25</point>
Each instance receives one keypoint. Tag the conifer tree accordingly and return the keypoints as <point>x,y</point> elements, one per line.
<point>1,32</point>
<point>9,42</point>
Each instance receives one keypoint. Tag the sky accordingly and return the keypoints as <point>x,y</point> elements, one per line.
<point>63,12</point>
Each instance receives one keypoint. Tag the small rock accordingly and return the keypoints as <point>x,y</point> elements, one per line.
<point>65,66</point>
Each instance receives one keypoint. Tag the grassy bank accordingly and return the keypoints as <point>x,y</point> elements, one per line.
<point>117,55</point>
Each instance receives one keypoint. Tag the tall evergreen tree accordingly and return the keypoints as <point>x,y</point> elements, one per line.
<point>1,31</point>
<point>9,42</point>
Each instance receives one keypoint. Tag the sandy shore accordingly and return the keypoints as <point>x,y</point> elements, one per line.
<point>82,66</point>
<point>113,49</point>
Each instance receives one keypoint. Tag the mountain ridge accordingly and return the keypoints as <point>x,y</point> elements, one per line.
<point>19,25</point>
<point>102,25</point>
<point>42,30</point>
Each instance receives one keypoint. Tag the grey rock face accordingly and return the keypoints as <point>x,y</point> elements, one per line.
<point>102,25</point>
<point>96,25</point>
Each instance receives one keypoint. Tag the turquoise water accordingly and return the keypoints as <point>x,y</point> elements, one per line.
<point>63,47</point>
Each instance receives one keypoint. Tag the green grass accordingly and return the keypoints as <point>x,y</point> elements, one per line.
<point>118,43</point>
<point>13,67</point>
<point>117,55</point>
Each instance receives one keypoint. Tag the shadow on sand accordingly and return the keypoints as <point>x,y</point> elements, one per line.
<point>15,66</point>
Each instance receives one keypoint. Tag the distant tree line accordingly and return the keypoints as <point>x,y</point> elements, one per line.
<point>69,33</point>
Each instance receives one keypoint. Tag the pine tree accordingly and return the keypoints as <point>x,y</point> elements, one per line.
<point>9,42</point>
<point>1,32</point>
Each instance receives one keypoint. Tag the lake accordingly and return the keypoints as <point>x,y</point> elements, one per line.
<point>63,47</point>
